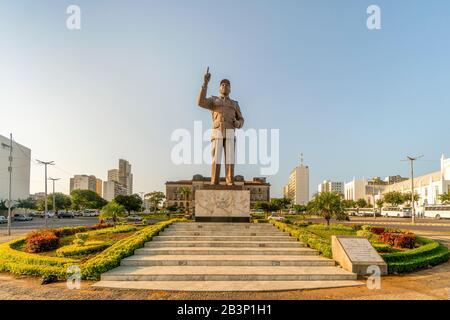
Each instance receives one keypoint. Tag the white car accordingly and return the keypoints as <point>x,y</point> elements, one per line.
<point>3,219</point>
<point>134,218</point>
<point>50,215</point>
<point>277,218</point>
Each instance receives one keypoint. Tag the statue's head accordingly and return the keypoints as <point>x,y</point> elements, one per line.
<point>225,87</point>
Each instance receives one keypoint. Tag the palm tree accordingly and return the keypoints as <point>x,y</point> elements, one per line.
<point>328,204</point>
<point>186,192</point>
<point>445,197</point>
<point>114,211</point>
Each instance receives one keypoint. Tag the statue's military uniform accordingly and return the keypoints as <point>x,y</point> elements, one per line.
<point>226,116</point>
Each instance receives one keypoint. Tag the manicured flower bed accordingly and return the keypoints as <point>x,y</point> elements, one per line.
<point>15,260</point>
<point>425,252</point>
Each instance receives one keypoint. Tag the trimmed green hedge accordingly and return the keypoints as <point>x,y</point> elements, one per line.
<point>111,257</point>
<point>430,253</point>
<point>116,229</point>
<point>89,247</point>
<point>21,263</point>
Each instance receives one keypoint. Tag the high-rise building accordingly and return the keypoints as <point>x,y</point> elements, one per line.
<point>99,186</point>
<point>83,182</point>
<point>111,189</point>
<point>331,186</point>
<point>125,175</point>
<point>21,156</point>
<point>297,188</point>
<point>113,175</point>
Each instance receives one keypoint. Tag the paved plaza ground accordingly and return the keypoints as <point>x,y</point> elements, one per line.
<point>427,284</point>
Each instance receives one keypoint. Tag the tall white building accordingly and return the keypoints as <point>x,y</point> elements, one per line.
<point>20,173</point>
<point>83,182</point>
<point>331,186</point>
<point>297,188</point>
<point>111,189</point>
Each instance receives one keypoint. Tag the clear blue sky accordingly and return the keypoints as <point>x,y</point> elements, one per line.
<point>354,101</point>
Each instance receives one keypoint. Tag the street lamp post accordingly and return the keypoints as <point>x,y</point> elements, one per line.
<point>54,199</point>
<point>46,204</point>
<point>413,210</point>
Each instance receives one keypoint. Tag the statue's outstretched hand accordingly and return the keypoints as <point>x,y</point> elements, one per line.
<point>207,77</point>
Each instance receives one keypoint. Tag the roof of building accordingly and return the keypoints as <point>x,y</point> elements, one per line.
<point>418,181</point>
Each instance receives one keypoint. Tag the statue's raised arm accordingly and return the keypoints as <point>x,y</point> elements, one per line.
<point>202,101</point>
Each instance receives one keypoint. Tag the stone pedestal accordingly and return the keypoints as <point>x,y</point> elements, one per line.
<point>357,255</point>
<point>219,203</point>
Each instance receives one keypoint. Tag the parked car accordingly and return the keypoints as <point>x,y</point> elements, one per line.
<point>134,218</point>
<point>66,215</point>
<point>49,215</point>
<point>3,219</point>
<point>277,218</point>
<point>78,213</point>
<point>90,213</point>
<point>22,217</point>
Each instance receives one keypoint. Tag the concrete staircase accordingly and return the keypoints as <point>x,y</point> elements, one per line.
<point>225,257</point>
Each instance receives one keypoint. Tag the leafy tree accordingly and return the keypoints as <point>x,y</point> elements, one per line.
<point>113,210</point>
<point>380,203</point>
<point>62,201</point>
<point>268,206</point>
<point>407,197</point>
<point>3,205</point>
<point>262,205</point>
<point>361,203</point>
<point>155,198</point>
<point>328,205</point>
<point>28,203</point>
<point>86,199</point>
<point>130,203</point>
<point>445,197</point>
<point>299,208</point>
<point>394,198</point>
<point>281,203</point>
<point>348,203</point>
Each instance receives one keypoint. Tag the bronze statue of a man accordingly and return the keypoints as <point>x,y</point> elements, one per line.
<point>226,116</point>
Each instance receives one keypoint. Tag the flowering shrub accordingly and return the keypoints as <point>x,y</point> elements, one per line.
<point>377,230</point>
<point>41,241</point>
<point>399,240</point>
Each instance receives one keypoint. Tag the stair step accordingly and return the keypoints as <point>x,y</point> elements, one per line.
<point>224,238</point>
<point>252,226</point>
<point>230,286</point>
<point>228,273</point>
<point>225,260</point>
<point>228,244</point>
<point>250,233</point>
<point>226,251</point>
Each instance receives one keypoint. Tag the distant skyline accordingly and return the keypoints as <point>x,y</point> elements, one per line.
<point>355,102</point>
